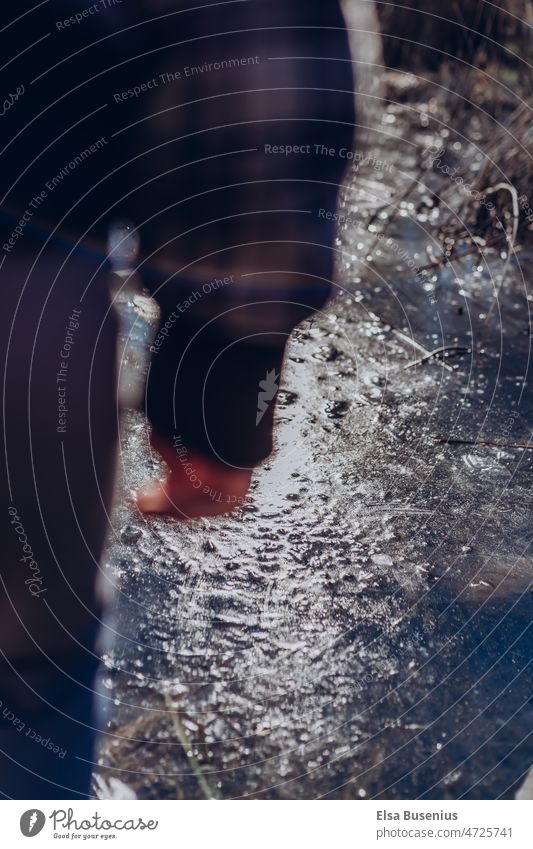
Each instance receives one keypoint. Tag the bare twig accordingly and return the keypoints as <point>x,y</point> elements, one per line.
<point>187,748</point>
<point>455,349</point>
<point>455,441</point>
<point>405,338</point>
<point>511,242</point>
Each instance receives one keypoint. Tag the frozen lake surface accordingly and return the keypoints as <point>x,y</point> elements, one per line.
<point>360,628</point>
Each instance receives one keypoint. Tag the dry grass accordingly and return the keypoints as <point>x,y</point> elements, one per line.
<point>425,33</point>
<point>479,52</point>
